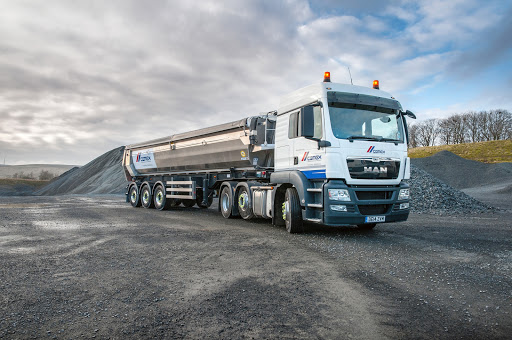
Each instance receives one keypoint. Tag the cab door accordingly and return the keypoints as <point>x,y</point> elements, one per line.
<point>305,131</point>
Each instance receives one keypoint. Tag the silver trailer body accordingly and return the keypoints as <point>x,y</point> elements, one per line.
<point>242,144</point>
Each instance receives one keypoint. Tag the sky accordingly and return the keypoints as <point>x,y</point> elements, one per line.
<point>79,78</point>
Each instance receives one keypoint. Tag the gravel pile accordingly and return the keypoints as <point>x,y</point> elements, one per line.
<point>103,175</point>
<point>431,195</point>
<point>463,173</point>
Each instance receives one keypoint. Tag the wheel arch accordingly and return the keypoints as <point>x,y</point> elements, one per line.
<point>293,178</point>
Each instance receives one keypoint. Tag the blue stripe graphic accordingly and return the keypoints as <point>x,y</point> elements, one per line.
<point>311,174</point>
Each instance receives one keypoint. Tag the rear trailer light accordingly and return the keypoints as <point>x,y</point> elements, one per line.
<point>339,207</point>
<point>339,195</point>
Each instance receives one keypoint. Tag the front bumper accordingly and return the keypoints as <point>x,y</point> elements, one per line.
<point>365,201</point>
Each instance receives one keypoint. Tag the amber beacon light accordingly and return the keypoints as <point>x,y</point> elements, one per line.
<point>327,77</point>
<point>376,84</point>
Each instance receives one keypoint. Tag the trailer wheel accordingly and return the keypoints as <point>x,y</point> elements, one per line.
<point>292,212</point>
<point>159,199</point>
<point>134,196</point>
<point>368,226</point>
<point>244,204</point>
<point>226,202</point>
<point>188,203</point>
<point>145,197</point>
<point>199,199</point>
<point>175,202</point>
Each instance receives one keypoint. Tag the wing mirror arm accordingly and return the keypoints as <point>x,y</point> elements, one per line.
<point>408,114</point>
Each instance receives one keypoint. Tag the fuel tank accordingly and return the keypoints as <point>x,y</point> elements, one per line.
<point>245,143</point>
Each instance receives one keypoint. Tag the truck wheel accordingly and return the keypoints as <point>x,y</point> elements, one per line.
<point>292,212</point>
<point>134,196</point>
<point>175,202</point>
<point>368,226</point>
<point>226,202</point>
<point>159,199</point>
<point>199,199</point>
<point>244,204</point>
<point>145,197</point>
<point>188,203</point>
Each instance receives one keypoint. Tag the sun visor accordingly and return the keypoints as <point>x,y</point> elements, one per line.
<point>361,99</point>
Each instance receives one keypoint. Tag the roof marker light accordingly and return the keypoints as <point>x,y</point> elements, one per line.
<point>327,77</point>
<point>376,84</point>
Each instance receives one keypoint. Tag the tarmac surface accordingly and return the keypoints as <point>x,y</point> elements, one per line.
<point>94,267</point>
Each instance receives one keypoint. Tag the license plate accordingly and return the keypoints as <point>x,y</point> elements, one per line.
<point>372,219</point>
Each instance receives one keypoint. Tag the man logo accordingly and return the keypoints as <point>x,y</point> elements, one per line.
<point>376,170</point>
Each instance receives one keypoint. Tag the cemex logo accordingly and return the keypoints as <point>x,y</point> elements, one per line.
<point>371,149</point>
<point>306,157</point>
<point>146,158</point>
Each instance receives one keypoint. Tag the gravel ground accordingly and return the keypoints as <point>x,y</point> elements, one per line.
<point>91,266</point>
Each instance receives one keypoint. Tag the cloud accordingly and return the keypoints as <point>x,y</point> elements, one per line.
<point>79,78</point>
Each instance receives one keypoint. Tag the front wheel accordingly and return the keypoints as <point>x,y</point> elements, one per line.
<point>292,212</point>
<point>134,196</point>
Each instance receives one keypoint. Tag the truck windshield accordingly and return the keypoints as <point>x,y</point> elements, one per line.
<point>361,118</point>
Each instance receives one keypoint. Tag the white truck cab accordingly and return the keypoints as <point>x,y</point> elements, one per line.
<point>348,145</point>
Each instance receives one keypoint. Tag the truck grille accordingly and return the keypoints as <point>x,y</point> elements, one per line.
<point>373,195</point>
<point>373,168</point>
<point>375,209</point>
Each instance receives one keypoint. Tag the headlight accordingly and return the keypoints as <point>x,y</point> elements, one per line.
<point>403,194</point>
<point>339,195</point>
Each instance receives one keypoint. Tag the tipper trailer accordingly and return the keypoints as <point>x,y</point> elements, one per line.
<point>332,154</point>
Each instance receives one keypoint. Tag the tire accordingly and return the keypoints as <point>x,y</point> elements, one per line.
<point>145,197</point>
<point>159,200</point>
<point>188,203</point>
<point>368,226</point>
<point>199,199</point>
<point>226,202</point>
<point>134,196</point>
<point>174,202</point>
<point>244,203</point>
<point>292,212</point>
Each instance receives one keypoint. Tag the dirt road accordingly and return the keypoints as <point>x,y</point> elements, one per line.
<point>83,266</point>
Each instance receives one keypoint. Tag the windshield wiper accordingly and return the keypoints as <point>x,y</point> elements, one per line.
<point>382,139</point>
<point>351,138</point>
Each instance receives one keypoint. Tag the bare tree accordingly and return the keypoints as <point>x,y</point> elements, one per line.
<point>413,135</point>
<point>499,124</point>
<point>445,131</point>
<point>427,132</point>
<point>473,127</point>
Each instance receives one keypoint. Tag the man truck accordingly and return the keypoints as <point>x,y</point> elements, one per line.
<point>332,154</point>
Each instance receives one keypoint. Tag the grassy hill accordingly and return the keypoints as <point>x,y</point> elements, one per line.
<point>487,152</point>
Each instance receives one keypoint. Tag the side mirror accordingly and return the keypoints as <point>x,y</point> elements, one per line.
<point>307,122</point>
<point>410,114</point>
